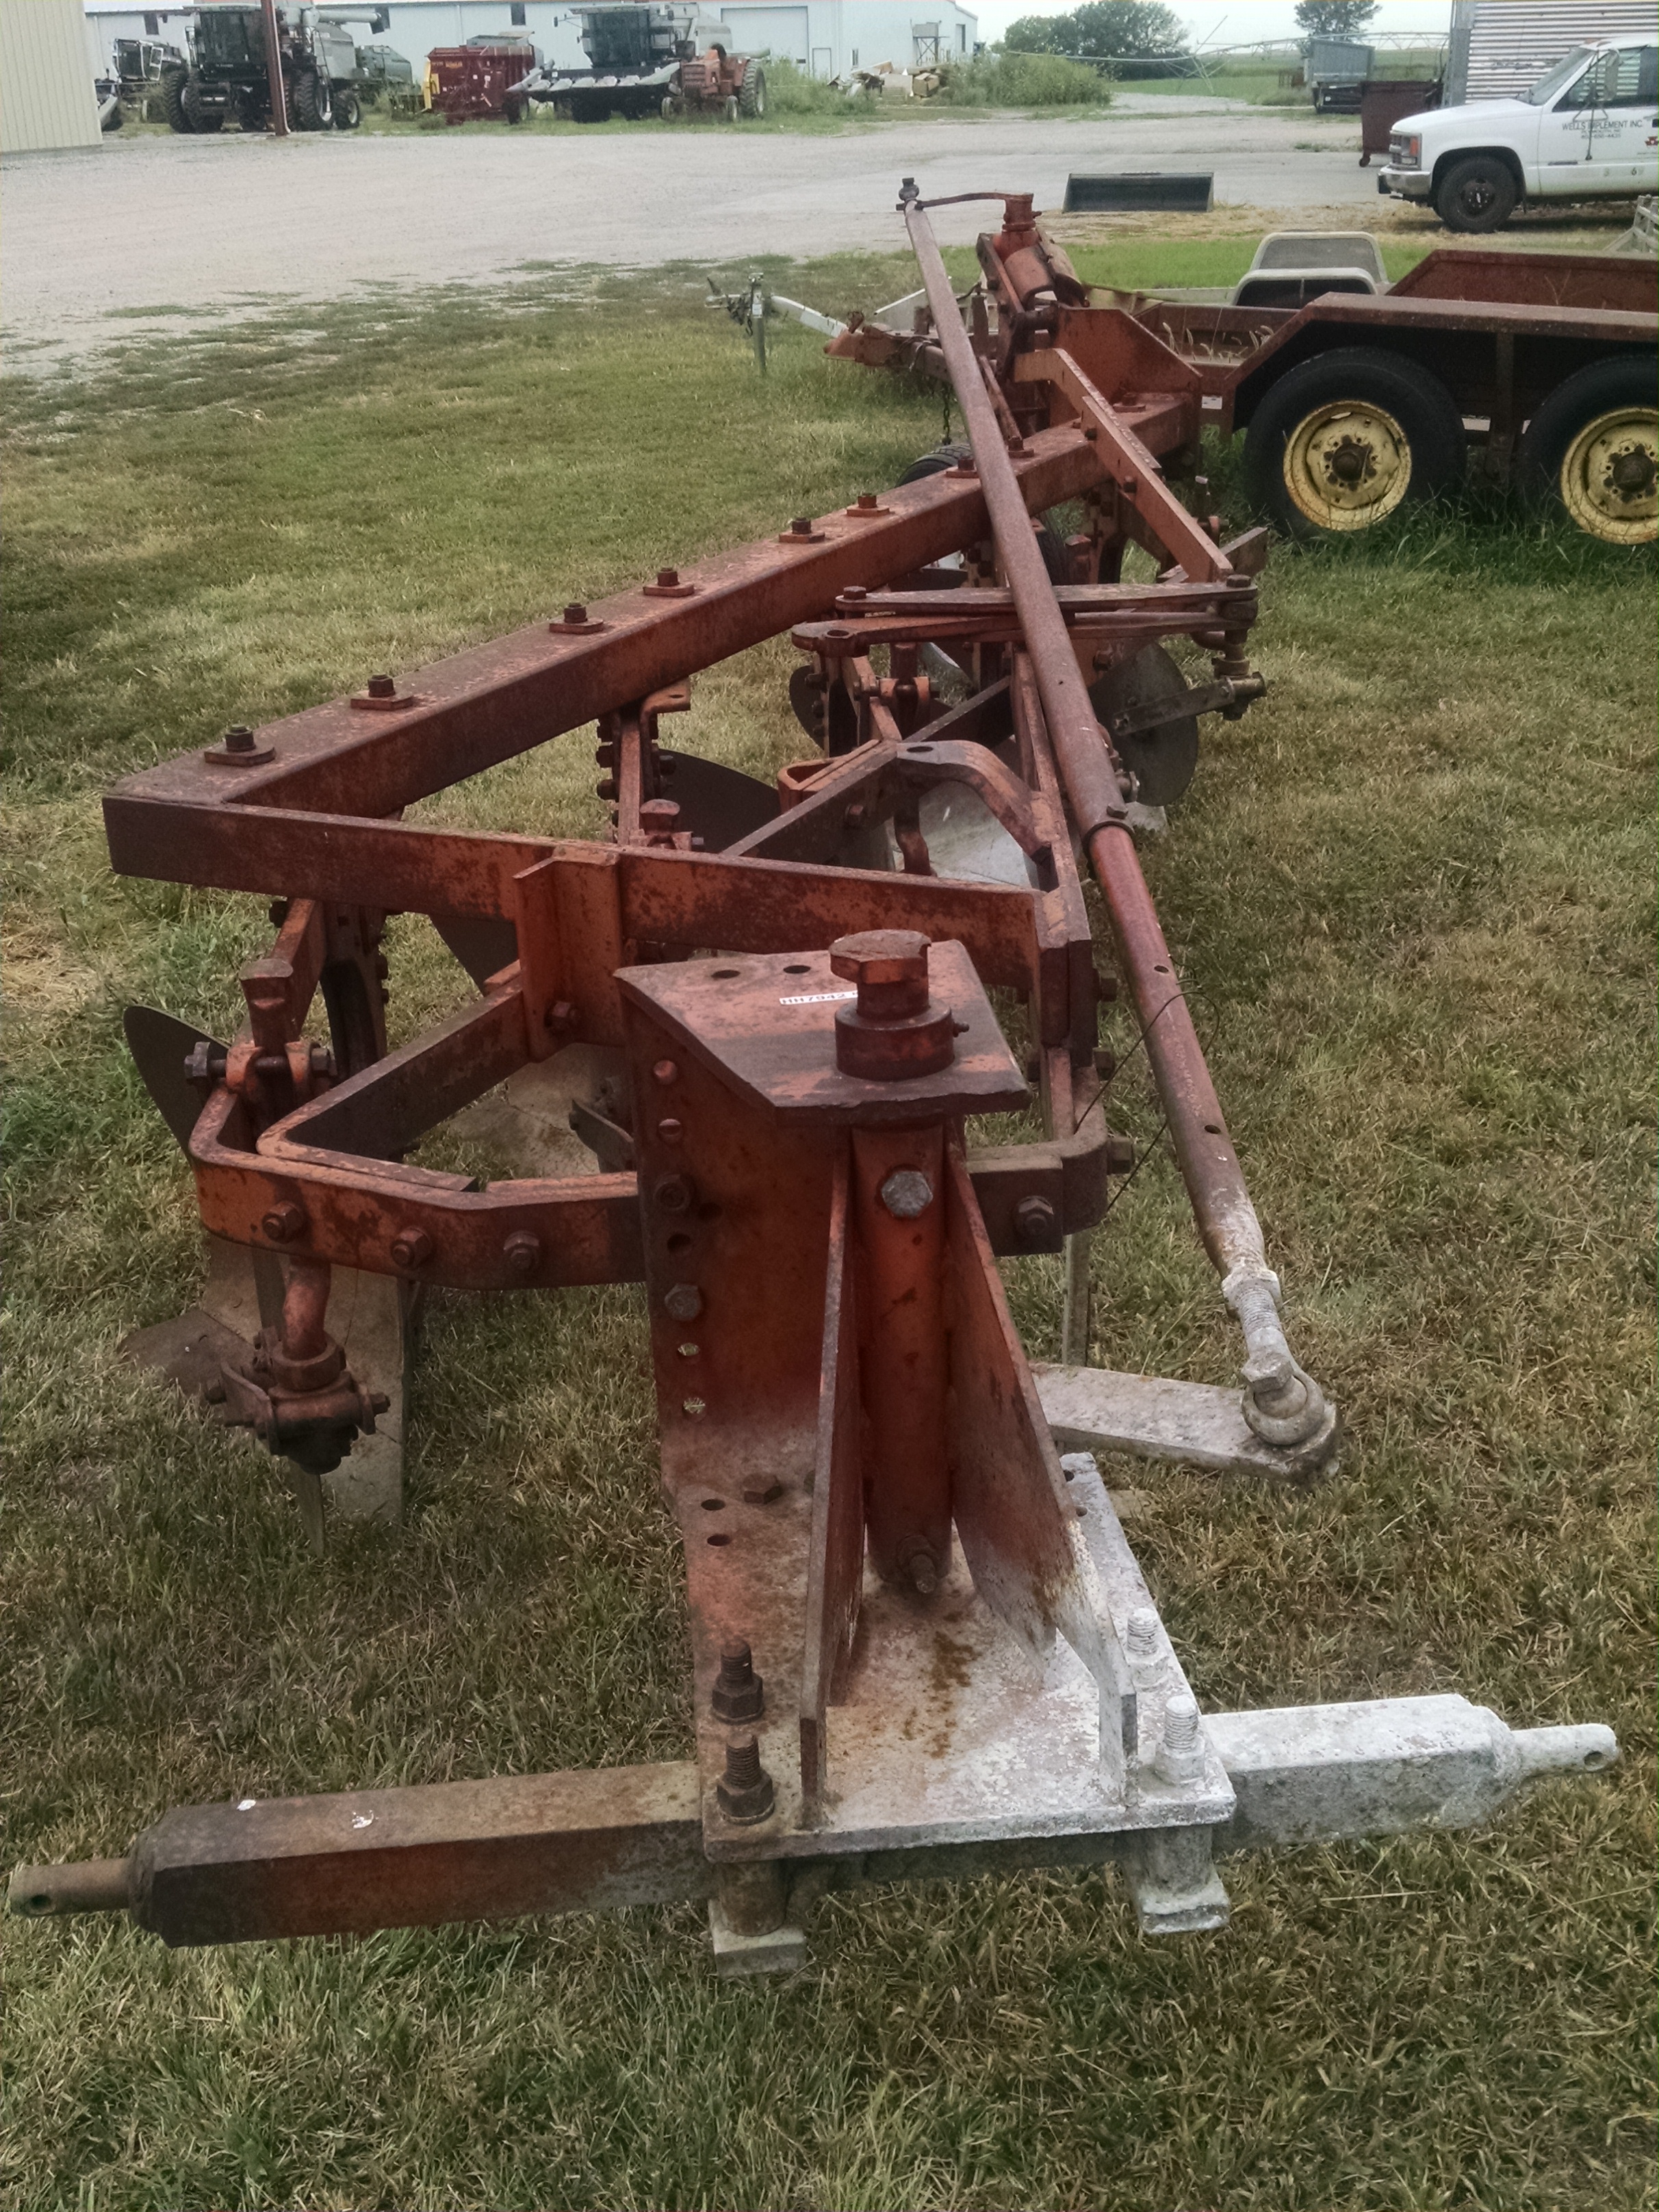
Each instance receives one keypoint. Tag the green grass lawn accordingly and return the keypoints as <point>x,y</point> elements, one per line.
<point>1412,894</point>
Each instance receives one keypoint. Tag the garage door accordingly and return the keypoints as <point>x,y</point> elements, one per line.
<point>778,31</point>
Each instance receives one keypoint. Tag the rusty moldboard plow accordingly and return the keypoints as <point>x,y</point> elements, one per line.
<point>776,1008</point>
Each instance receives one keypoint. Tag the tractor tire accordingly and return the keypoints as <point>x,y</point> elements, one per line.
<point>751,93</point>
<point>1477,194</point>
<point>204,119</point>
<point>1343,440</point>
<point>1593,446</point>
<point>172,102</point>
<point>349,110</point>
<point>312,105</point>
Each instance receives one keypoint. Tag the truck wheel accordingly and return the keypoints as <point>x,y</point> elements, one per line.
<point>172,102</point>
<point>312,108</point>
<point>751,93</point>
<point>1345,438</point>
<point>1594,445</point>
<point>1478,194</point>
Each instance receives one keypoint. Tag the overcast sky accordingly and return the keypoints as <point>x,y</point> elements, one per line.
<point>1217,23</point>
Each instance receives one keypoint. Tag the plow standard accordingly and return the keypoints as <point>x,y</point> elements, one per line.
<point>920,1643</point>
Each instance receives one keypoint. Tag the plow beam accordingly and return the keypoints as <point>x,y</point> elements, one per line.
<point>256,1870</point>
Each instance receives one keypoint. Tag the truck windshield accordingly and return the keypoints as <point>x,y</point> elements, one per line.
<point>1564,73</point>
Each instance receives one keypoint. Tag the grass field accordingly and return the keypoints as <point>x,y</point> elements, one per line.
<point>1411,894</point>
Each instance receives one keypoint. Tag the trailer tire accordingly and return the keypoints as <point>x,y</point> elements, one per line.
<point>1349,436</point>
<point>751,93</point>
<point>172,102</point>
<point>729,110</point>
<point>349,110</point>
<point>1593,446</point>
<point>1477,194</point>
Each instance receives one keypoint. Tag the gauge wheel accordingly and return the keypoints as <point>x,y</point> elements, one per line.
<point>729,110</point>
<point>1162,759</point>
<point>1348,437</point>
<point>349,110</point>
<point>1054,557</point>
<point>1478,194</point>
<point>1594,445</point>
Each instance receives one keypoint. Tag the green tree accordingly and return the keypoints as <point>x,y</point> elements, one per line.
<point>1334,19</point>
<point>1114,28</point>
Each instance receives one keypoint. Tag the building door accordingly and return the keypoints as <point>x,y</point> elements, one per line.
<point>824,61</point>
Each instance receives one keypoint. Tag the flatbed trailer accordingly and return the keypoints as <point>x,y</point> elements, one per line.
<point>1541,365</point>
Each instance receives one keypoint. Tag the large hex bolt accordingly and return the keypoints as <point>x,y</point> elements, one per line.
<point>744,1790</point>
<point>893,1032</point>
<point>738,1693</point>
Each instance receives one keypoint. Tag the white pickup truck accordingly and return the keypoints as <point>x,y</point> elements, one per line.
<point>1586,130</point>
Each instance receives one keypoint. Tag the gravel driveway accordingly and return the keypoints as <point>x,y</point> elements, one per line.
<point>229,223</point>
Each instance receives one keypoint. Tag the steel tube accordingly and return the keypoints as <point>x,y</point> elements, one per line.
<point>1215,1184</point>
<point>80,1885</point>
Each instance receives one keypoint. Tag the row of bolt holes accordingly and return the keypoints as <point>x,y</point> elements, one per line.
<point>730,974</point>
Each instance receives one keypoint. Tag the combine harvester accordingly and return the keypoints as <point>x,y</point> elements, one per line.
<point>921,1644</point>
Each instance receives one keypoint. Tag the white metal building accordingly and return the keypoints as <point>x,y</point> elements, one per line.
<point>827,37</point>
<point>1500,47</point>
<point>47,98</point>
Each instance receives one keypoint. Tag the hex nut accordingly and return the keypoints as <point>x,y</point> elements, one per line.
<point>906,1193</point>
<point>683,1301</point>
<point>738,1693</point>
<point>1036,1221</point>
<point>522,1253</point>
<point>411,1247</point>
<point>673,1193</point>
<point>744,1790</point>
<point>283,1223</point>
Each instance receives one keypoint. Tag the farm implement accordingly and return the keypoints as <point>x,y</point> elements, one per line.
<point>921,1644</point>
